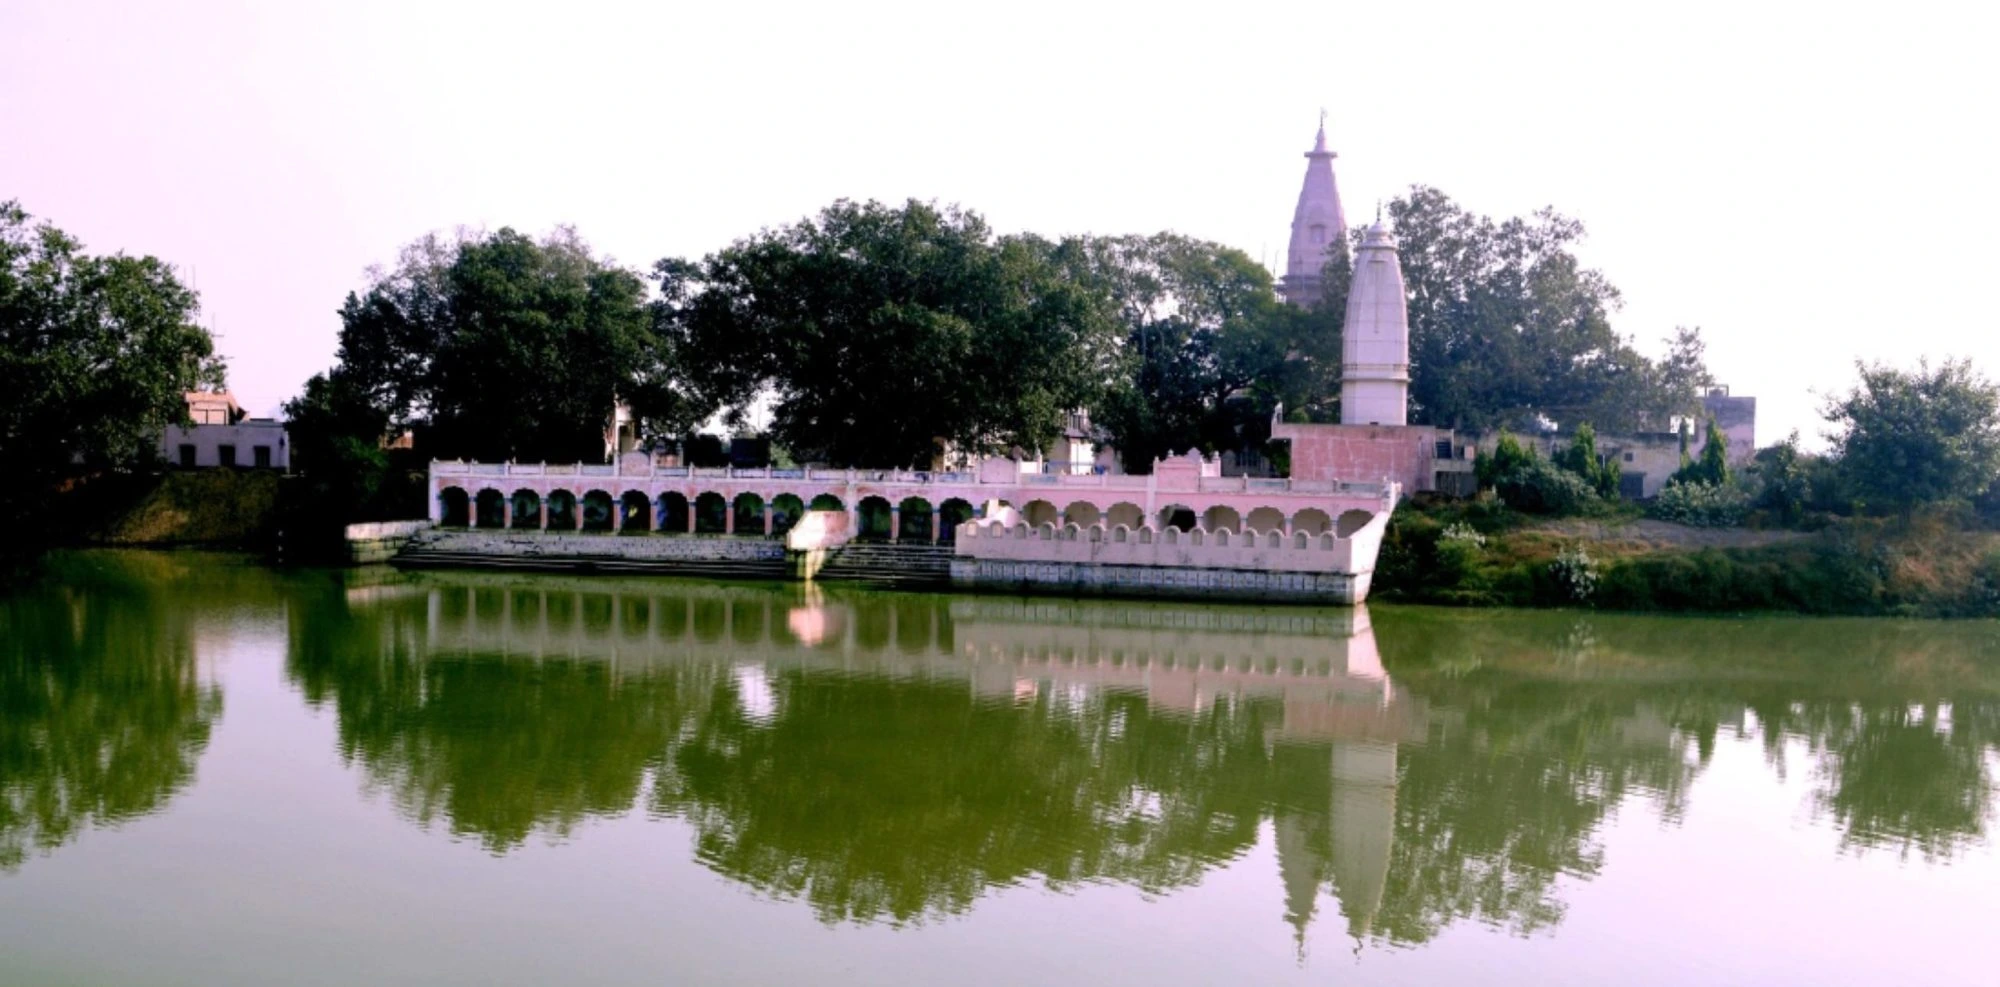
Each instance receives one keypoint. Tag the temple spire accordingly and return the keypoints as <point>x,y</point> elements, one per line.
<point>1319,225</point>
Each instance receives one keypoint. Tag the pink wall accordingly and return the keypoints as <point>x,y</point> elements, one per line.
<point>1362,453</point>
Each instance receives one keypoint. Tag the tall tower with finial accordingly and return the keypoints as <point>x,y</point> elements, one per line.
<point>1375,338</point>
<point>1319,226</point>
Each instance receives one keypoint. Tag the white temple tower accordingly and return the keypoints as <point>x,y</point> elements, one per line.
<point>1375,339</point>
<point>1319,227</point>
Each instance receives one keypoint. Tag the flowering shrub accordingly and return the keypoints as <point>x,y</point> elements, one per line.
<point>1462,532</point>
<point>1701,505</point>
<point>1576,572</point>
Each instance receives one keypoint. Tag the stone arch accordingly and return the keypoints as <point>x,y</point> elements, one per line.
<point>826,502</point>
<point>1146,535</point>
<point>562,510</point>
<point>1040,512</point>
<point>672,511</point>
<point>1221,516</point>
<point>1301,540</point>
<point>1180,517</point>
<point>1121,534</point>
<point>1352,521</point>
<point>1126,513</point>
<point>635,511</point>
<point>1082,513</point>
<point>749,511</point>
<point>489,509</point>
<point>711,513</point>
<point>1265,519</point>
<point>916,514</point>
<point>786,509</point>
<point>1312,521</point>
<point>527,508</point>
<point>1274,539</point>
<point>952,513</point>
<point>454,507</point>
<point>598,511</point>
<point>872,518</point>
<point>1326,541</point>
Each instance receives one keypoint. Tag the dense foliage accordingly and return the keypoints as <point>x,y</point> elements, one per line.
<point>497,346</point>
<point>886,336</point>
<point>97,354</point>
<point>1906,438</point>
<point>1507,326</point>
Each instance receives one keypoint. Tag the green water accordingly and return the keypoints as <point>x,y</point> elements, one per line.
<point>216,773</point>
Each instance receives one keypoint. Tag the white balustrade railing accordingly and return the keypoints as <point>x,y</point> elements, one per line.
<point>1103,481</point>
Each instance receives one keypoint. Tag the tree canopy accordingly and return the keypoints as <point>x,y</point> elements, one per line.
<point>498,346</point>
<point>1507,326</point>
<point>884,335</point>
<point>97,353</point>
<point>1209,350</point>
<point>1906,438</point>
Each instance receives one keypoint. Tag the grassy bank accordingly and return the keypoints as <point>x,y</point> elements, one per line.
<point>217,508</point>
<point>1483,555</point>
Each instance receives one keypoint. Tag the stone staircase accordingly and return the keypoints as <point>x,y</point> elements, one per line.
<point>902,565</point>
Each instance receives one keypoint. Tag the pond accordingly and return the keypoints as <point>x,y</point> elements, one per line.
<point>213,772</point>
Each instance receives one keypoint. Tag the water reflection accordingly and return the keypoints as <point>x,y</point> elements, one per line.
<point>895,757</point>
<point>103,714</point>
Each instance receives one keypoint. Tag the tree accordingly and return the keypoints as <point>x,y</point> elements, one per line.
<point>96,355</point>
<point>1209,349</point>
<point>498,346</point>
<point>1784,480</point>
<point>1580,457</point>
<point>1507,326</point>
<point>1907,438</point>
<point>885,335</point>
<point>1712,466</point>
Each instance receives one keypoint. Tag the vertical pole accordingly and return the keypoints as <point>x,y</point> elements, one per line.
<point>544,522</point>
<point>937,523</point>
<point>506,513</point>
<point>895,523</point>
<point>691,503</point>
<point>767,519</point>
<point>728,517</point>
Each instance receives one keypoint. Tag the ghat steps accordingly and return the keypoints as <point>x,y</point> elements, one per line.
<point>899,564</point>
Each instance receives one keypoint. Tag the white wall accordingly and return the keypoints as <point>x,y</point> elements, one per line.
<point>245,436</point>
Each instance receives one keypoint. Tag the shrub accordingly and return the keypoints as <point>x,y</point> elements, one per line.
<point>1576,573</point>
<point>1536,486</point>
<point>1700,504</point>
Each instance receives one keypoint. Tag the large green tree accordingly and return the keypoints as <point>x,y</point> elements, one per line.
<point>1507,326</point>
<point>499,346</point>
<point>884,334</point>
<point>1209,350</point>
<point>1906,438</point>
<point>96,355</point>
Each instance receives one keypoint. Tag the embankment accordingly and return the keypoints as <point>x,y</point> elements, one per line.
<point>212,508</point>
<point>1922,567</point>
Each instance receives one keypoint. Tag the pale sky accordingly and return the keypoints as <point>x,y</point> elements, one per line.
<point>1808,183</point>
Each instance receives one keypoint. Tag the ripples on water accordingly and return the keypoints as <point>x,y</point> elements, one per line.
<point>897,760</point>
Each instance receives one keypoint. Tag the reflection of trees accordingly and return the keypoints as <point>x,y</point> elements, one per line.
<point>906,792</point>
<point>102,714</point>
<point>875,797</point>
<point>497,748</point>
<point>1901,720</point>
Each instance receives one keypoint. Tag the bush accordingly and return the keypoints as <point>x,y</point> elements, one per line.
<point>1537,486</point>
<point>1700,504</point>
<point>1575,573</point>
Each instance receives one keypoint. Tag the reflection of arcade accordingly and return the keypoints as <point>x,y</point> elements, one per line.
<point>1317,670</point>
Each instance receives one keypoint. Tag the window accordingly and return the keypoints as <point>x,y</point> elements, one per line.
<point>260,456</point>
<point>187,456</point>
<point>1628,457</point>
<point>225,455</point>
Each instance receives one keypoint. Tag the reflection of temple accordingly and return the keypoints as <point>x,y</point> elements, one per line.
<point>1319,668</point>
